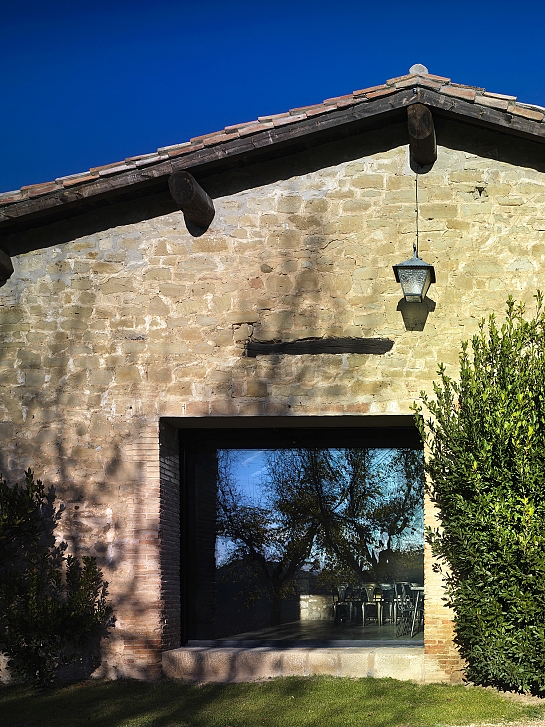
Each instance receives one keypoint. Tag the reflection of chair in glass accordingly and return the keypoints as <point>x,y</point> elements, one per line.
<point>388,602</point>
<point>342,607</point>
<point>405,608</point>
<point>371,603</point>
<point>418,615</point>
<point>410,608</point>
<point>335,599</point>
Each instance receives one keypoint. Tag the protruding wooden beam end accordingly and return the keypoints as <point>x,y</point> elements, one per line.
<point>6,267</point>
<point>196,205</point>
<point>421,130</point>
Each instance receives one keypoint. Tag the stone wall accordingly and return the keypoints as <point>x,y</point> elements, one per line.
<point>314,607</point>
<point>119,318</point>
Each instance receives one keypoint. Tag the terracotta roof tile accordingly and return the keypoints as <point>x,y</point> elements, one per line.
<point>68,177</point>
<point>97,170</point>
<point>321,109</point>
<point>429,82</point>
<point>407,82</point>
<point>343,102</point>
<point>388,91</point>
<point>526,112</point>
<point>462,85</point>
<point>173,147</point>
<point>363,91</point>
<point>185,149</point>
<point>148,160</point>
<point>255,128</point>
<point>468,94</point>
<point>288,120</point>
<point>338,99</point>
<point>212,139</point>
<point>416,81</point>
<point>436,78</point>
<point>9,197</point>
<point>35,190</point>
<point>141,158</point>
<point>301,110</point>
<point>531,106</point>
<point>496,103</point>
<point>213,135</point>
<point>115,169</point>
<point>500,95</point>
<point>232,128</point>
<point>393,81</point>
<point>272,117</point>
<point>78,179</point>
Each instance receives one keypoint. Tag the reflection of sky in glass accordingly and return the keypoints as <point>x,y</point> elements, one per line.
<point>249,469</point>
<point>250,472</point>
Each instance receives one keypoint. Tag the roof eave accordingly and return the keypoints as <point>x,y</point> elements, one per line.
<point>42,204</point>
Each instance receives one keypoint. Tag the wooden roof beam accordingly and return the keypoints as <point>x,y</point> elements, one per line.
<point>421,130</point>
<point>196,205</point>
<point>6,266</point>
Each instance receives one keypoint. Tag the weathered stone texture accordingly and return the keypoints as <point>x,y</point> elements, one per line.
<point>121,317</point>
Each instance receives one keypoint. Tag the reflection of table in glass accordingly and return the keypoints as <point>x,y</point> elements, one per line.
<point>418,604</point>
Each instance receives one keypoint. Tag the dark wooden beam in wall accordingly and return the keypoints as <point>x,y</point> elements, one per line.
<point>421,134</point>
<point>6,266</point>
<point>196,205</point>
<point>319,345</point>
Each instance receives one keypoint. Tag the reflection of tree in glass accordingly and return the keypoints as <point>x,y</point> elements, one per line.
<point>365,502</point>
<point>264,540</point>
<point>345,510</point>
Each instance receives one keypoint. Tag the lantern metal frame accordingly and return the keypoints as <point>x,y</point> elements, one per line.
<point>415,276</point>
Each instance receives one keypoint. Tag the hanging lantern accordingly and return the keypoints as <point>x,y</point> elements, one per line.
<point>415,277</point>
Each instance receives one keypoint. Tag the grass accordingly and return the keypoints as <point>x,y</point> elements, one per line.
<point>285,702</point>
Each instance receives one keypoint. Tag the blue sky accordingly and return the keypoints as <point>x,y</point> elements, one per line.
<point>250,472</point>
<point>85,84</point>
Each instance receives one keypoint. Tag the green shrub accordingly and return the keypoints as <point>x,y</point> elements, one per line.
<point>486,465</point>
<point>52,606</point>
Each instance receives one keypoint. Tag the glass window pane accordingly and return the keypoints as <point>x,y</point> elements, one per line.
<point>317,545</point>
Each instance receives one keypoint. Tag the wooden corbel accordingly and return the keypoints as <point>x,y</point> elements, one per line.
<point>196,205</point>
<point>421,134</point>
<point>6,266</point>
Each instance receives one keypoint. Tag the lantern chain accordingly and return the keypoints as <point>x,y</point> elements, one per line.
<point>415,247</point>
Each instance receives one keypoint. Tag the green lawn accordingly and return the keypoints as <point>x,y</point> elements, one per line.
<point>285,702</point>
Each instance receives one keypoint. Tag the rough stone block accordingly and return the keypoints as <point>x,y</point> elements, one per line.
<point>256,388</point>
<point>127,374</point>
<point>290,204</point>
<point>365,181</point>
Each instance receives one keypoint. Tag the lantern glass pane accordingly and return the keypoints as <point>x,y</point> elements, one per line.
<point>415,283</point>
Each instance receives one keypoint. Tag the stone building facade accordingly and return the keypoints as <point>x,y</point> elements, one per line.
<point>120,328</point>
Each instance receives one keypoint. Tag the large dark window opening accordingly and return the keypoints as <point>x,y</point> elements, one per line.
<point>302,536</point>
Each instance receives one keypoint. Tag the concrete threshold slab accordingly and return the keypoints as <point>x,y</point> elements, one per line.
<point>308,643</point>
<point>231,664</point>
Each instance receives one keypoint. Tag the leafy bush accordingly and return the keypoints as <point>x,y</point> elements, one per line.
<point>52,606</point>
<point>486,463</point>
